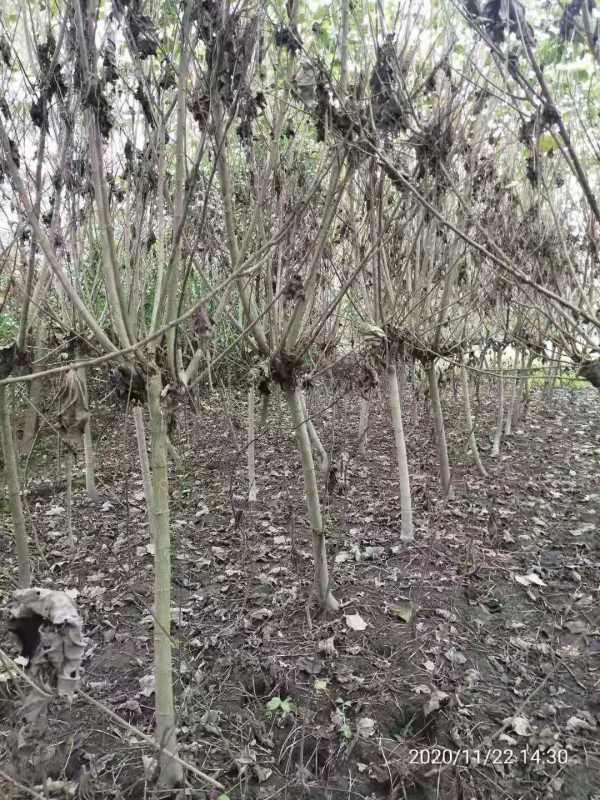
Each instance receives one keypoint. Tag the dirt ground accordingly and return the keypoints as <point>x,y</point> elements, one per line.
<point>465,665</point>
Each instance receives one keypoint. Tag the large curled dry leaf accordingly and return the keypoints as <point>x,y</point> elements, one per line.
<point>355,622</point>
<point>49,629</point>
<point>74,414</point>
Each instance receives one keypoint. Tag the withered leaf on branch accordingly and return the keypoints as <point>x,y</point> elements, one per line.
<point>143,34</point>
<point>203,323</point>
<point>5,50</point>
<point>590,370</point>
<point>128,385</point>
<point>109,61</point>
<point>7,359</point>
<point>74,413</point>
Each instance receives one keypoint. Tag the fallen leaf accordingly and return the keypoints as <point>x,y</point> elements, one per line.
<point>575,724</point>
<point>404,611</point>
<point>327,646</point>
<point>147,685</point>
<point>529,579</point>
<point>55,511</point>
<point>437,699</point>
<point>365,727</point>
<point>520,725</point>
<point>356,622</point>
<point>455,656</point>
<point>577,626</point>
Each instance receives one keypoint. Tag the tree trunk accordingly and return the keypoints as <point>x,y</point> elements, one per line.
<point>14,491</point>
<point>523,373</point>
<point>469,420</point>
<point>140,435</point>
<point>171,773</point>
<point>407,533</point>
<point>251,448</point>
<point>552,376</point>
<point>363,426</point>
<point>315,441</point>
<point>69,493</point>
<point>31,424</point>
<point>498,435</point>
<point>295,403</point>
<point>513,398</point>
<point>88,445</point>
<point>440,431</point>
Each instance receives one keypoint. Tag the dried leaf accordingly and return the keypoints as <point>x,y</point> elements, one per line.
<point>404,611</point>
<point>520,725</point>
<point>355,622</point>
<point>455,656</point>
<point>437,699</point>
<point>365,727</point>
<point>147,685</point>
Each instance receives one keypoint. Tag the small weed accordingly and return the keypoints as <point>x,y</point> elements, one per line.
<point>278,706</point>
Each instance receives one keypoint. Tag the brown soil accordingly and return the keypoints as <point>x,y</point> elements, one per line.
<point>482,637</point>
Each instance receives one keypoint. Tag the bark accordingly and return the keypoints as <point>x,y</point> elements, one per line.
<point>552,376</point>
<point>498,435</point>
<point>88,444</point>
<point>512,399</point>
<point>440,431</point>
<point>407,533</point>
<point>264,409</point>
<point>31,424</point>
<point>14,491</point>
<point>363,426</point>
<point>171,773</point>
<point>251,448</point>
<point>295,404</point>
<point>523,389</point>
<point>69,494</point>
<point>140,435</point>
<point>173,279</point>
<point>316,441</point>
<point>469,421</point>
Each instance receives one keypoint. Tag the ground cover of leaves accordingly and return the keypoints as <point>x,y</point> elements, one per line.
<point>480,642</point>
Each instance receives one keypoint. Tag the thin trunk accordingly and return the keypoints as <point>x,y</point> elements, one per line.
<point>363,426</point>
<point>32,418</point>
<point>344,47</point>
<point>407,531</point>
<point>14,490</point>
<point>31,424</point>
<point>171,773</point>
<point>69,494</point>
<point>88,444</point>
<point>295,403</point>
<point>513,398</point>
<point>498,435</point>
<point>526,396</point>
<point>469,420</point>
<point>251,448</point>
<point>316,441</point>
<point>521,385</point>
<point>552,376</point>
<point>173,278</point>
<point>264,409</point>
<point>140,435</point>
<point>440,431</point>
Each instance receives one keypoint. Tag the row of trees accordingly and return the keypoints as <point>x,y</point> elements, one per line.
<point>364,184</point>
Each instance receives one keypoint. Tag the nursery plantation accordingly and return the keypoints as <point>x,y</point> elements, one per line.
<point>300,400</point>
